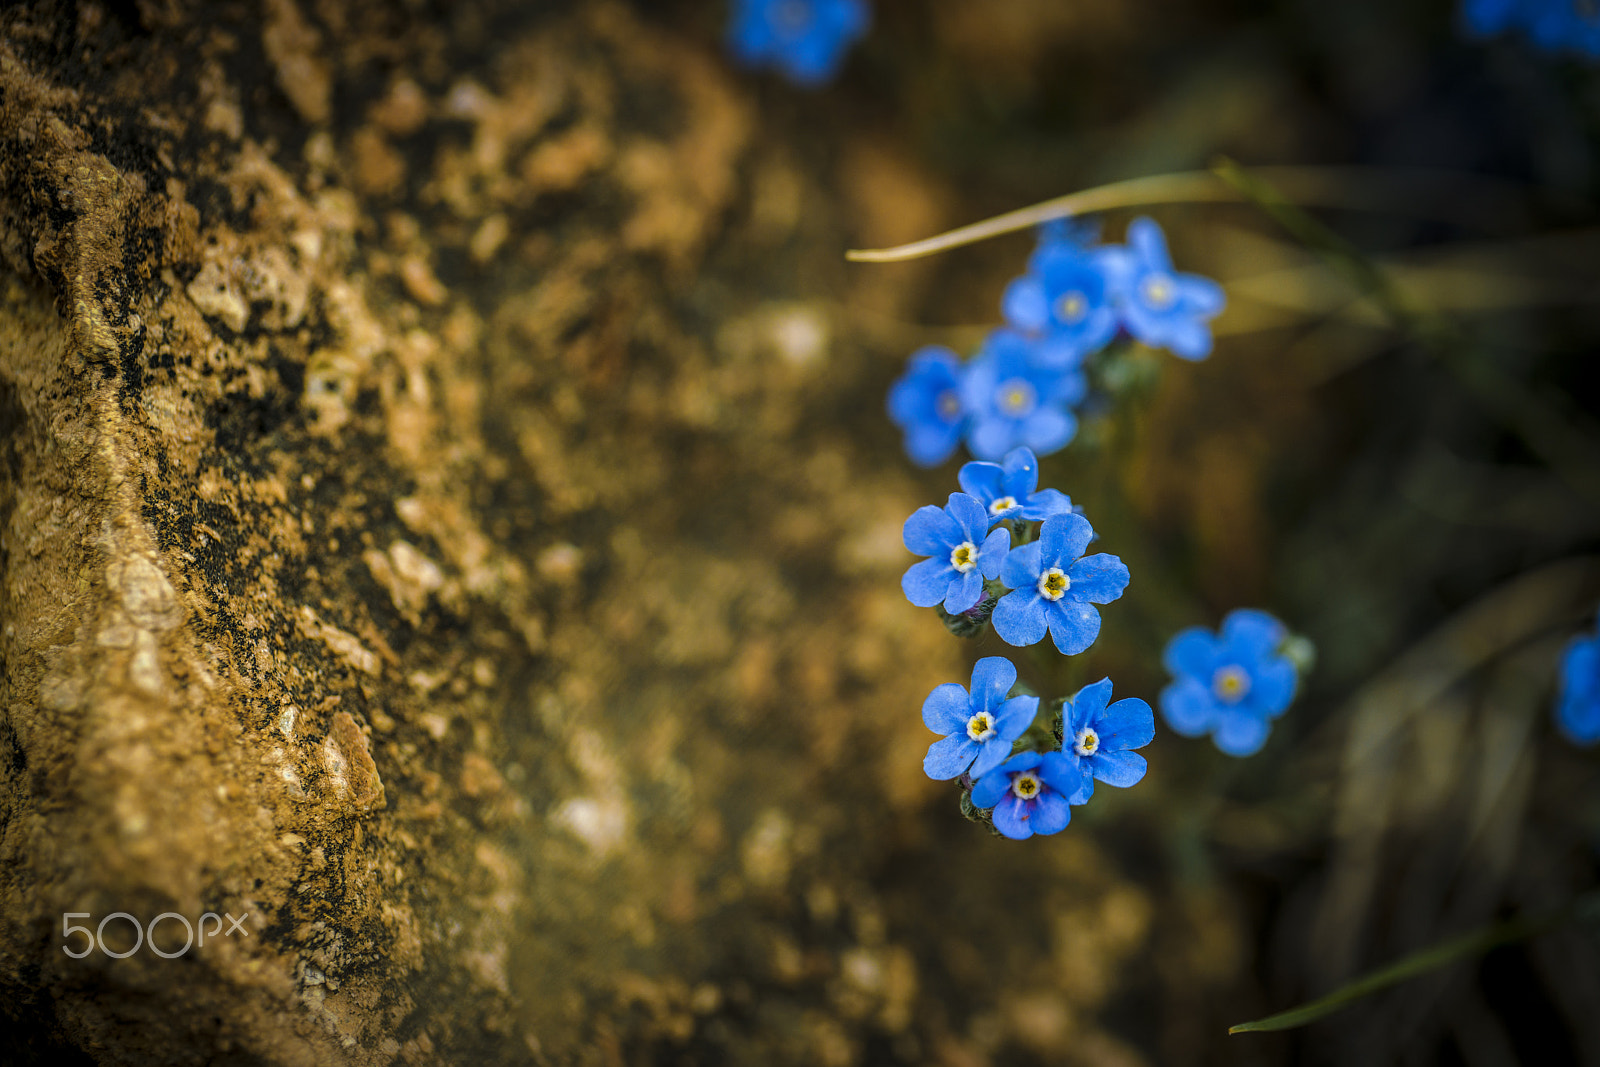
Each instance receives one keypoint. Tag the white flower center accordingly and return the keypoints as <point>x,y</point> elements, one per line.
<point>1158,291</point>
<point>1016,397</point>
<point>1003,505</point>
<point>1230,684</point>
<point>1071,307</point>
<point>981,726</point>
<point>1054,583</point>
<point>964,556</point>
<point>948,405</point>
<point>1026,785</point>
<point>1087,742</point>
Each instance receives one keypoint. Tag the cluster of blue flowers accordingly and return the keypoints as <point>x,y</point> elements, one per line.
<point>805,39</point>
<point>1023,386</point>
<point>1004,552</point>
<point>1554,25</point>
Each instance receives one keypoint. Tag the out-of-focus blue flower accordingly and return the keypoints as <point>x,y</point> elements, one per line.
<point>1553,25</point>
<point>1013,400</point>
<point>979,727</point>
<point>806,39</point>
<point>1231,685</point>
<point>1007,489</point>
<point>1065,298</point>
<point>961,555</point>
<point>925,403</point>
<point>1032,793</point>
<point>1052,588</point>
<point>1098,739</point>
<point>1578,703</point>
<point>1159,306</point>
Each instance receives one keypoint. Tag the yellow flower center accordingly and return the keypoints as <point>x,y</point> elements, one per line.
<point>1026,785</point>
<point>1230,684</point>
<point>1016,397</point>
<point>964,557</point>
<point>948,405</point>
<point>1071,307</point>
<point>792,16</point>
<point>1003,505</point>
<point>1087,743</point>
<point>1053,584</point>
<point>1158,291</point>
<point>981,726</point>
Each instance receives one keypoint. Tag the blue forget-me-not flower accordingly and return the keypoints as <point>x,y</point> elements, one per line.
<point>1012,399</point>
<point>1052,588</point>
<point>1231,685</point>
<point>1578,703</point>
<point>925,403</point>
<point>1031,793</point>
<point>962,550</point>
<point>1098,736</point>
<point>1159,306</point>
<point>1066,298</point>
<point>1010,489</point>
<point>979,728</point>
<point>806,39</point>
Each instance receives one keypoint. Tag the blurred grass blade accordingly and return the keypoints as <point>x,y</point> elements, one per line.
<point>1421,962</point>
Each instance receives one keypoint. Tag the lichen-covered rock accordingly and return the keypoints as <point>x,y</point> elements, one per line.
<point>428,529</point>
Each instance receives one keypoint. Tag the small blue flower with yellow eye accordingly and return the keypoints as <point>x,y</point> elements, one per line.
<point>1067,299</point>
<point>1053,589</point>
<point>963,551</point>
<point>806,39</point>
<point>1098,736</point>
<point>1578,704</point>
<point>925,403</point>
<point>1159,306</point>
<point>1032,793</point>
<point>1010,489</point>
<point>1232,685</point>
<point>979,728</point>
<point>1012,400</point>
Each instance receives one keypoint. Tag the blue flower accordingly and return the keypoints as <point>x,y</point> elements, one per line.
<point>1231,685</point>
<point>1578,704</point>
<point>1551,24</point>
<point>962,557</point>
<point>806,39</point>
<point>1032,793</point>
<point>1013,400</point>
<point>1007,489</point>
<point>1159,306</point>
<point>925,403</point>
<point>979,728</point>
<point>1066,297</point>
<point>1054,589</point>
<point>1098,739</point>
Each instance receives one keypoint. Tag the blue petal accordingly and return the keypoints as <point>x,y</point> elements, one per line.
<point>1250,634</point>
<point>1021,470</point>
<point>990,788</point>
<point>1015,716</point>
<point>1191,652</point>
<point>1201,296</point>
<point>947,709</point>
<point>991,754</point>
<point>992,556</point>
<point>1149,243</point>
<point>989,437</point>
<point>1239,733</point>
<point>1022,569</point>
<point>981,480</point>
<point>930,532</point>
<point>1087,705</point>
<point>1085,791</point>
<point>1025,304</point>
<point>1062,772</point>
<point>1099,578</point>
<point>970,516</point>
<point>1045,503</point>
<point>963,592</point>
<point>1187,707</point>
<point>947,758</point>
<point>1011,817</point>
<point>1120,769</point>
<point>1019,618</point>
<point>926,583</point>
<point>1049,430</point>
<point>992,679</point>
<point>1073,625</point>
<point>929,446</point>
<point>1061,351</point>
<point>1129,723</point>
<point>1272,686</point>
<point>1050,814</point>
<point>1062,539</point>
<point>1188,339</point>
